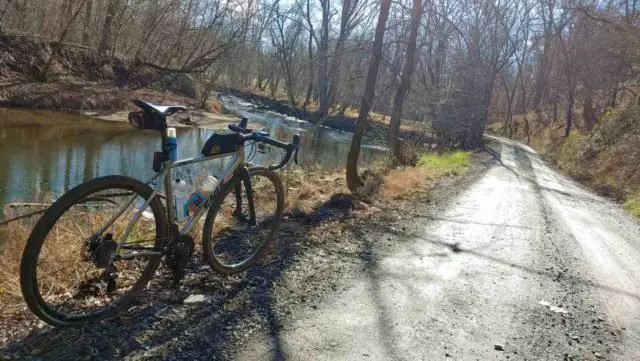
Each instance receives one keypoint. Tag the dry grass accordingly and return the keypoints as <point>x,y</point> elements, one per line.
<point>308,188</point>
<point>63,267</point>
<point>399,183</point>
<point>214,106</point>
<point>11,251</point>
<point>13,237</point>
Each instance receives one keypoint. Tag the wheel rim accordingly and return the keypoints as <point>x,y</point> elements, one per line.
<point>234,239</point>
<point>78,273</point>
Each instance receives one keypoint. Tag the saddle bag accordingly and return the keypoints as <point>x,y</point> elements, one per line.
<point>222,143</point>
<point>147,120</point>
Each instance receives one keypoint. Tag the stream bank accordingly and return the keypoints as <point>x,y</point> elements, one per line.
<point>419,136</point>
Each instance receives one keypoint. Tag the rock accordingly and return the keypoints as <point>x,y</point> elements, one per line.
<point>598,355</point>
<point>171,298</point>
<point>498,347</point>
<point>195,299</point>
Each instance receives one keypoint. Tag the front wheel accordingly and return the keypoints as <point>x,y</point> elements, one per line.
<point>72,270</point>
<point>235,237</point>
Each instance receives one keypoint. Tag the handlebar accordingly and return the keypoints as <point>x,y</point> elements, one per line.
<point>249,135</point>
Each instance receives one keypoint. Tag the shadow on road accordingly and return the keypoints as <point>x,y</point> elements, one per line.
<point>455,247</point>
<point>529,176</point>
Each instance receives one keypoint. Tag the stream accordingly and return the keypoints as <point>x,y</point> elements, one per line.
<point>44,153</point>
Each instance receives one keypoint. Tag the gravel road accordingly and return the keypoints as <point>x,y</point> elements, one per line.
<point>523,265</point>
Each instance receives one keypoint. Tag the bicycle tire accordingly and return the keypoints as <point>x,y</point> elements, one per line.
<point>31,253</point>
<point>207,245</point>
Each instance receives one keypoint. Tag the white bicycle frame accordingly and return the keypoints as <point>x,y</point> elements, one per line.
<point>165,177</point>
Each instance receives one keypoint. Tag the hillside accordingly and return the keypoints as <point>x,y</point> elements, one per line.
<point>38,74</point>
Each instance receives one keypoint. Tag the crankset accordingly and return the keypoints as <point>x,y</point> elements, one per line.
<point>178,255</point>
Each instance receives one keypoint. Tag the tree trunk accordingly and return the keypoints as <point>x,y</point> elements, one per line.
<point>336,61</point>
<point>23,15</point>
<point>86,31</point>
<point>273,87</point>
<point>336,64</point>
<point>405,83</point>
<point>290,85</point>
<point>588,112</point>
<point>107,30</point>
<point>307,97</point>
<point>569,117</point>
<point>527,129</point>
<point>323,61</point>
<point>353,178</point>
<point>542,75</point>
<point>55,48</point>
<point>614,97</point>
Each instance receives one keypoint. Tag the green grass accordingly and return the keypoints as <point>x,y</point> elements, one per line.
<point>451,162</point>
<point>632,205</point>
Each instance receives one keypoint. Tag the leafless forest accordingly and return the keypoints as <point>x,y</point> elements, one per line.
<point>458,64</point>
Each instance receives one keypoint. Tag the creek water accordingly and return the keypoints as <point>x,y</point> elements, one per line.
<point>46,152</point>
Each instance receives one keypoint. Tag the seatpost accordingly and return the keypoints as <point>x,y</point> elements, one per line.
<point>168,191</point>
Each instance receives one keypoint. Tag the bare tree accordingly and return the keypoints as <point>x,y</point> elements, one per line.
<point>285,36</point>
<point>353,178</point>
<point>107,30</point>
<point>405,82</point>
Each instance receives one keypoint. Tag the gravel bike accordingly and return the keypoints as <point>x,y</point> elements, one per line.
<point>101,243</point>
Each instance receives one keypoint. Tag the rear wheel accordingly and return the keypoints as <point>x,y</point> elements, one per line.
<point>232,241</point>
<point>71,271</point>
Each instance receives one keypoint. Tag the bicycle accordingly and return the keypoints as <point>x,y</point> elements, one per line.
<point>122,230</point>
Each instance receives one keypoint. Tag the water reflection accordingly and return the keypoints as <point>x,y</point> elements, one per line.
<point>50,152</point>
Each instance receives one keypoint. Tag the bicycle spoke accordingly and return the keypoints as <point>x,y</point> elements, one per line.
<point>78,270</point>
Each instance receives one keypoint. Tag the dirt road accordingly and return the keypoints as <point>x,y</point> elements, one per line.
<point>524,264</point>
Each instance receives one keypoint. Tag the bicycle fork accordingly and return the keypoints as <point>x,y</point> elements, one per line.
<point>237,213</point>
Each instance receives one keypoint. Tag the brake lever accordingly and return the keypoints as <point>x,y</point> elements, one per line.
<point>295,156</point>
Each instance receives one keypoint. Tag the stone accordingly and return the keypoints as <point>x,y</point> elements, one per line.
<point>192,299</point>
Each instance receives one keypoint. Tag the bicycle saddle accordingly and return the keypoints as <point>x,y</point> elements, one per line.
<point>164,109</point>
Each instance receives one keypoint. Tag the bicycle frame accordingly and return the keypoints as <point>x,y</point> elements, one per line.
<point>165,176</point>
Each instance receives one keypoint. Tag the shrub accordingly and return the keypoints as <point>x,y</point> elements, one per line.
<point>632,204</point>
<point>447,163</point>
<point>616,123</point>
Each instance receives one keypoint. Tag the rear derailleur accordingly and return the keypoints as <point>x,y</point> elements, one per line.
<point>102,252</point>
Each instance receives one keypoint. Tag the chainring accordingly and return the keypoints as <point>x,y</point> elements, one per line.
<point>179,254</point>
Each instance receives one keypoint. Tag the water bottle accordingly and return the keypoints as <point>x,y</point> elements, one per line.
<point>181,199</point>
<point>204,192</point>
<point>172,144</point>
<point>208,186</point>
